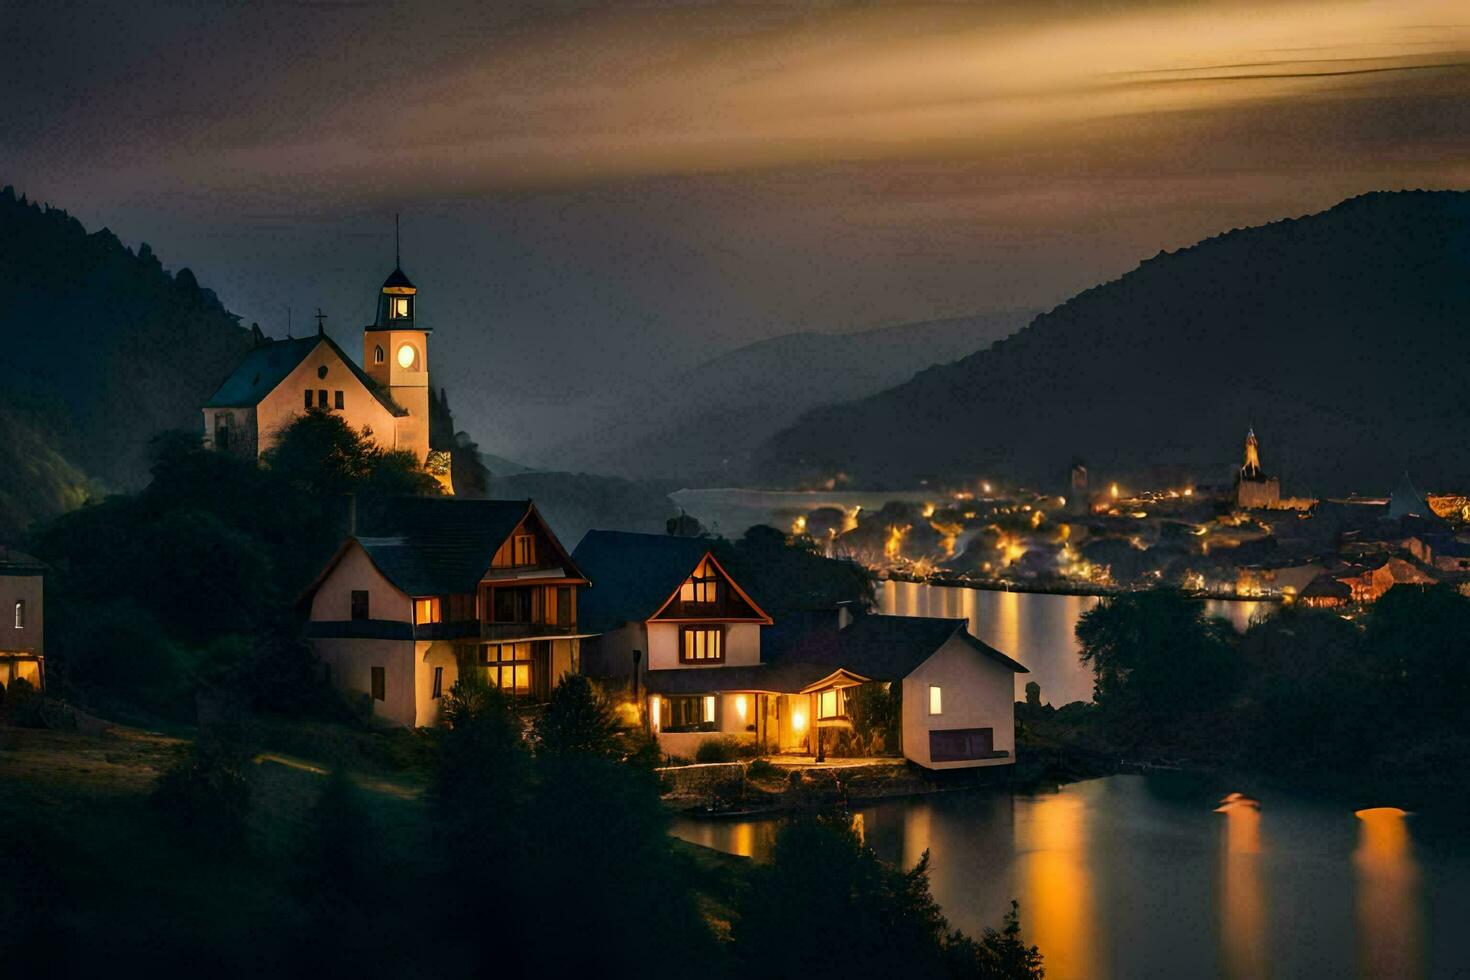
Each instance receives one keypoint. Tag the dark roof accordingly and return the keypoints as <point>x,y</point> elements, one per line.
<point>397,280</point>
<point>632,574</point>
<point>439,545</point>
<point>265,367</point>
<point>1325,586</point>
<point>19,563</point>
<point>777,678</point>
<point>884,648</point>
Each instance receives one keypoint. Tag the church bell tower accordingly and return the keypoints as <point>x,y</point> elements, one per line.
<point>395,353</point>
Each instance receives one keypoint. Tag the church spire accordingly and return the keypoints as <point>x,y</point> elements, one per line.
<point>1252,465</point>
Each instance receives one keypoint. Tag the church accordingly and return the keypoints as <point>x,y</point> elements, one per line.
<point>278,380</point>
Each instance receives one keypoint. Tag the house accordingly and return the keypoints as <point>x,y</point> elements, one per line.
<point>278,380</point>
<point>435,586</point>
<point>684,638</point>
<point>22,619</point>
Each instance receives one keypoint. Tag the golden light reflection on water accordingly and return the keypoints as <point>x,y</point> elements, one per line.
<point>1242,894</point>
<point>1060,916</point>
<point>1389,915</point>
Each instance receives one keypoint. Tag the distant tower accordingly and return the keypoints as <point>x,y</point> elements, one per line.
<point>1254,490</point>
<point>395,352</point>
<point>1252,468</point>
<point>1079,496</point>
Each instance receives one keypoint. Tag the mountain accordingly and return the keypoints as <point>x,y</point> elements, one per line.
<point>701,426</point>
<point>106,349</point>
<point>1341,336</point>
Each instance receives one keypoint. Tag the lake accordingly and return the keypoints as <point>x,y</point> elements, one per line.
<point>1034,628</point>
<point>1169,875</point>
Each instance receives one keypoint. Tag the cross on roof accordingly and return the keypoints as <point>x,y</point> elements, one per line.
<point>320,319</point>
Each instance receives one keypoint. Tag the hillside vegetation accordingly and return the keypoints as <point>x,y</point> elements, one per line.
<point>1340,336</point>
<point>107,348</point>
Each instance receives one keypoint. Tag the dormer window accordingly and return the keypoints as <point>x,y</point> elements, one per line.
<point>378,355</point>
<point>701,588</point>
<point>400,307</point>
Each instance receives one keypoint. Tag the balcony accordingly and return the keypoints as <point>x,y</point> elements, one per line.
<point>508,632</point>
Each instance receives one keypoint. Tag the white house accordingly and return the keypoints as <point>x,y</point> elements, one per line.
<point>685,637</point>
<point>436,586</point>
<point>22,619</point>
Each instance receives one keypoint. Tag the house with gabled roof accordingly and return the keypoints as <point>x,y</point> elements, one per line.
<point>22,620</point>
<point>684,638</point>
<point>434,587</point>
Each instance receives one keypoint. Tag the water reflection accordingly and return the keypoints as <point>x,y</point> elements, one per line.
<point>1390,936</point>
<point>1036,628</point>
<point>1053,843</point>
<point>1242,895</point>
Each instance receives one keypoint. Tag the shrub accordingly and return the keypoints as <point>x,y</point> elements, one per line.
<point>762,769</point>
<point>717,750</point>
<point>207,794</point>
<point>22,705</point>
<point>876,710</point>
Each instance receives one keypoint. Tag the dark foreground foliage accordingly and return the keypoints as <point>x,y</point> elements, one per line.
<point>534,852</point>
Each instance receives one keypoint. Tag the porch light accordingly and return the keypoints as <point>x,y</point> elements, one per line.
<point>798,720</point>
<point>740,706</point>
<point>653,714</point>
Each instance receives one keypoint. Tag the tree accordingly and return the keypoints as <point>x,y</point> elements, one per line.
<point>1157,657</point>
<point>1420,638</point>
<point>323,456</point>
<point>827,906</point>
<point>578,720</point>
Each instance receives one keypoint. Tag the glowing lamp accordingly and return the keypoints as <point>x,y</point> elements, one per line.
<point>653,717</point>
<point>798,720</point>
<point>740,706</point>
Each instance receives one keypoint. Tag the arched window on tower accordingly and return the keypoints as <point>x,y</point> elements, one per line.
<point>378,354</point>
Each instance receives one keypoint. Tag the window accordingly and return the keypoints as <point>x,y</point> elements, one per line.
<point>564,605</point>
<point>688,714</point>
<point>701,588</point>
<point>400,307</point>
<point>378,355</point>
<point>321,372</point>
<point>321,397</point>
<point>222,430</point>
<point>959,744</point>
<point>337,400</point>
<point>359,604</point>
<point>407,356</point>
<point>426,610</point>
<point>832,703</point>
<point>701,644</point>
<point>936,700</point>
<point>308,398</point>
<point>438,682</point>
<point>508,666</point>
<point>513,606</point>
<point>20,614</point>
<point>380,692</point>
<point>524,549</point>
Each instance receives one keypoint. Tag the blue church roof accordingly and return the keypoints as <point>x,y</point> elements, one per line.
<point>265,367</point>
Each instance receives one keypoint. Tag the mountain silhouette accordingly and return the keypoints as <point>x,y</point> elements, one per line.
<point>1342,336</point>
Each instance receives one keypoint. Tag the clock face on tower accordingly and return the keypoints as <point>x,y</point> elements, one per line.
<point>407,356</point>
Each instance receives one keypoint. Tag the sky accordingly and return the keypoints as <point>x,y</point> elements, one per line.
<point>595,196</point>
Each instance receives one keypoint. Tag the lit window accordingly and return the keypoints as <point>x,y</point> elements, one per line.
<point>508,666</point>
<point>401,307</point>
<point>406,356</point>
<point>832,703</point>
<point>691,713</point>
<point>936,701</point>
<point>20,614</point>
<point>525,549</point>
<point>426,610</point>
<point>701,588</point>
<point>653,712</point>
<point>702,644</point>
<point>378,356</point>
<point>380,687</point>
